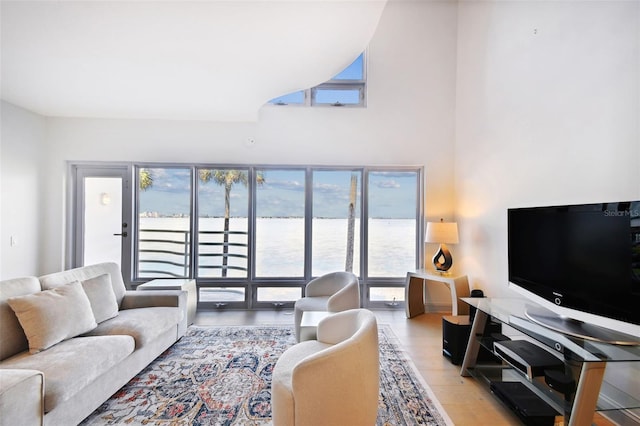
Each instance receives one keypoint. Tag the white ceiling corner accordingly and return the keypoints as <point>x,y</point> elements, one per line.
<point>179,60</point>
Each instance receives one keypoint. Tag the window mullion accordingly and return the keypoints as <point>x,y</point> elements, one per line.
<point>307,97</point>
<point>420,221</point>
<point>195,237</point>
<point>251,295</point>
<point>252,224</point>
<point>364,226</point>
<point>308,222</point>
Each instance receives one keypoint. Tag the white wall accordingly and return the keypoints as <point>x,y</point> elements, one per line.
<point>548,112</point>
<point>21,143</point>
<point>409,121</point>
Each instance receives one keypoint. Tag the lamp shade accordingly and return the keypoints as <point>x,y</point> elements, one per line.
<point>442,232</point>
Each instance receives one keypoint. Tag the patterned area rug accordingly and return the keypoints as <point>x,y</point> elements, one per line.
<point>222,376</point>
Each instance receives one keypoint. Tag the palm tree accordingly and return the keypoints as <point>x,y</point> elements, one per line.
<point>146,179</point>
<point>351,222</point>
<point>227,178</point>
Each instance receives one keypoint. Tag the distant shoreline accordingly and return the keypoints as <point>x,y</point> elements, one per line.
<point>154,215</point>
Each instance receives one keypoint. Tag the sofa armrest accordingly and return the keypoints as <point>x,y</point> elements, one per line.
<point>21,397</point>
<point>155,298</point>
<point>152,298</point>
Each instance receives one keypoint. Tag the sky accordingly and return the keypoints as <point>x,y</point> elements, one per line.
<point>391,194</point>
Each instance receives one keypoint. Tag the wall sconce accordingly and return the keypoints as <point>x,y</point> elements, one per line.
<point>105,199</point>
<point>442,233</point>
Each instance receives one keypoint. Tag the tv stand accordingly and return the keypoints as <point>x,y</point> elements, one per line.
<point>579,329</point>
<point>576,389</point>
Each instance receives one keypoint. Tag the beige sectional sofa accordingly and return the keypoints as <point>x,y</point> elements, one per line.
<point>71,339</point>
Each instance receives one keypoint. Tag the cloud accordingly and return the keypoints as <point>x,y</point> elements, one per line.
<point>394,174</point>
<point>171,180</point>
<point>289,185</point>
<point>327,188</point>
<point>279,207</point>
<point>388,184</point>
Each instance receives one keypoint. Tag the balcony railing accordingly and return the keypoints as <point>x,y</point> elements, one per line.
<point>225,255</point>
<point>166,253</point>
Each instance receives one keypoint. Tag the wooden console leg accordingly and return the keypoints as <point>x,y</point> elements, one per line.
<point>414,296</point>
<point>586,398</point>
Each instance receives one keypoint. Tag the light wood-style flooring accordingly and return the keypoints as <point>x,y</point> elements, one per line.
<point>467,402</point>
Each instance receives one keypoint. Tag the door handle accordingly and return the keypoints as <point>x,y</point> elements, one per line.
<point>124,233</point>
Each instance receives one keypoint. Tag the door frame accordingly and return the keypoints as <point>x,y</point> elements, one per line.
<point>77,171</point>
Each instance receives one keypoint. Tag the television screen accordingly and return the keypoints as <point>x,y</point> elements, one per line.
<point>582,257</point>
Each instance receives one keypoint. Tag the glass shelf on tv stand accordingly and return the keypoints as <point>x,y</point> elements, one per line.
<point>585,359</point>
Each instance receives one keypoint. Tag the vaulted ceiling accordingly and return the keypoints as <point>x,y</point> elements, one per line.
<point>180,60</point>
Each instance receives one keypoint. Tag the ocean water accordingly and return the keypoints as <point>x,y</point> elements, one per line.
<point>280,245</point>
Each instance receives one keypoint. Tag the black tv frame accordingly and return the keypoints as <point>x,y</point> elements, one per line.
<point>567,299</point>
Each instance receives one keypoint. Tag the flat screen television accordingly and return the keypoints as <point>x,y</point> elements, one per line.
<point>581,258</point>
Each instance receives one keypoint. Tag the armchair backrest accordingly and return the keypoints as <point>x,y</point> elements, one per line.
<point>342,288</point>
<point>340,384</point>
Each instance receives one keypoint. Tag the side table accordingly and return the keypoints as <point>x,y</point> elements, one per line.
<point>309,324</point>
<point>177,284</point>
<point>414,291</point>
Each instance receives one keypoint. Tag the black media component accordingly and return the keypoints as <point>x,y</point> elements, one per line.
<point>532,410</point>
<point>499,337</point>
<point>527,357</point>
<point>455,337</point>
<point>560,382</point>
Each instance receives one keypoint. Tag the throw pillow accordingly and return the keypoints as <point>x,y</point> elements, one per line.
<point>101,296</point>
<point>51,316</point>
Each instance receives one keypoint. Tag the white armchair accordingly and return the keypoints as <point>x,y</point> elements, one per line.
<point>332,381</point>
<point>332,292</point>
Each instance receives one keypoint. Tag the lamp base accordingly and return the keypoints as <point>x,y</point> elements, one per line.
<point>442,260</point>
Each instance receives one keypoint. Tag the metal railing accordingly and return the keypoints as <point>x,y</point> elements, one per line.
<point>166,252</point>
<point>225,255</point>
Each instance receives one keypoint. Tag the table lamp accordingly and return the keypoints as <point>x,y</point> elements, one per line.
<point>442,233</point>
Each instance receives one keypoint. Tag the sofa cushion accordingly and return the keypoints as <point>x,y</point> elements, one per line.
<point>101,296</point>
<point>13,339</point>
<point>84,273</point>
<point>49,317</point>
<point>143,324</point>
<point>73,364</point>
